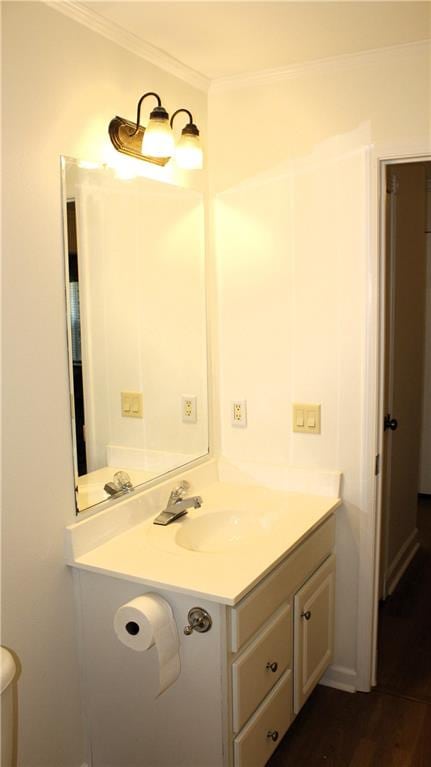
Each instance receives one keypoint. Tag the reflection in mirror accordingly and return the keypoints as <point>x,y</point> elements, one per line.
<point>136,321</point>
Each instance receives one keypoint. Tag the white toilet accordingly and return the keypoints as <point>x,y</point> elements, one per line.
<point>7,675</point>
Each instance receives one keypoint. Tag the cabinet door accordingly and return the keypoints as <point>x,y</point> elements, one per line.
<point>314,630</point>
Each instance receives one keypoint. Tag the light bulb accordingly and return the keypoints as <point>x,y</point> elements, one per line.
<point>188,152</point>
<point>158,139</point>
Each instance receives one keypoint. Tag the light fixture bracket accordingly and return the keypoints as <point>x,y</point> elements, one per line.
<point>127,138</point>
<point>190,130</point>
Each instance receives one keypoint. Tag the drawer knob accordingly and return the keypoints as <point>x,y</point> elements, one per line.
<point>272,734</point>
<point>306,615</point>
<point>272,667</point>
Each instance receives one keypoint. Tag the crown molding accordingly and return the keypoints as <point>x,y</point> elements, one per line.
<point>94,21</point>
<point>78,12</point>
<point>332,64</point>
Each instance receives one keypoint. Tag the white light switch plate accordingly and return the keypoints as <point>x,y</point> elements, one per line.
<point>132,404</point>
<point>306,418</point>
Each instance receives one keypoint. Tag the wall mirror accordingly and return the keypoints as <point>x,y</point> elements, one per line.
<point>136,323</point>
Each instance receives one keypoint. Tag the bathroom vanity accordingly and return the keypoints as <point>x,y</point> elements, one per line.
<point>261,563</point>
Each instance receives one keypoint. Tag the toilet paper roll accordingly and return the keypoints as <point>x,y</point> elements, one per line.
<point>147,621</point>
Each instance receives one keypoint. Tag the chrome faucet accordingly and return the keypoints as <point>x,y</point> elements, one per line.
<point>177,505</point>
<point>120,484</point>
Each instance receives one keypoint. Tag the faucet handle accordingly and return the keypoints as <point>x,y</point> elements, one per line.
<point>122,479</point>
<point>178,492</point>
<point>120,484</point>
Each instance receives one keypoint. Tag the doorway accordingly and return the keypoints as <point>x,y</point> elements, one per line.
<point>75,338</point>
<point>404,628</point>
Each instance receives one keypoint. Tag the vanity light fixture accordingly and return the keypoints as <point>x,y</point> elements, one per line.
<point>155,143</point>
<point>188,151</point>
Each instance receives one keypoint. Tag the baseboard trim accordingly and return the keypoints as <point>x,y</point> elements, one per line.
<point>340,678</point>
<point>401,562</point>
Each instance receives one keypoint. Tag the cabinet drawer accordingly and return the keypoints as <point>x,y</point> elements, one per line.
<point>252,676</point>
<point>276,588</point>
<point>253,746</point>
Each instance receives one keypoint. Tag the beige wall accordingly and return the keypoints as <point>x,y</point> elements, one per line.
<point>258,124</point>
<point>294,167</point>
<point>61,86</point>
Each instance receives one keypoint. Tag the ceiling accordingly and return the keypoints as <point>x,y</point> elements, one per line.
<point>225,39</point>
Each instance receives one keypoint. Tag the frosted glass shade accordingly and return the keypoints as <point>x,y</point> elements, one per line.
<point>188,152</point>
<point>158,139</point>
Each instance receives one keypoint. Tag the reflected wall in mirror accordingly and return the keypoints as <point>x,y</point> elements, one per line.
<point>136,320</point>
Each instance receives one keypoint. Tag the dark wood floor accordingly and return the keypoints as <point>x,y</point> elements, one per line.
<point>404,648</point>
<point>391,726</point>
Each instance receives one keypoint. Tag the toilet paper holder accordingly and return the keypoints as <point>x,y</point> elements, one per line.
<point>199,620</point>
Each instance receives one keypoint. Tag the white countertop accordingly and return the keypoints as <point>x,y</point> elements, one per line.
<point>148,554</point>
<point>90,490</point>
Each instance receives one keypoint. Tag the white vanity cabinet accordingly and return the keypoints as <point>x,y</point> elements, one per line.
<point>281,638</point>
<point>241,683</point>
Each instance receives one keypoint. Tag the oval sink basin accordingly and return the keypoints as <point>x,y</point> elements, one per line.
<point>220,531</point>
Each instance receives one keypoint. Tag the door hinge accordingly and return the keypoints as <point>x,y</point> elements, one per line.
<point>392,184</point>
<point>377,465</point>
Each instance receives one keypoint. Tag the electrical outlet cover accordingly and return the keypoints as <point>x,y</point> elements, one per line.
<point>239,413</point>
<point>189,409</point>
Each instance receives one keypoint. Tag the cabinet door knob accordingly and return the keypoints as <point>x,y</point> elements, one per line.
<point>306,615</point>
<point>272,666</point>
<point>272,734</point>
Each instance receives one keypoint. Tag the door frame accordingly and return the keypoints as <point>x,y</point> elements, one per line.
<point>371,518</point>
